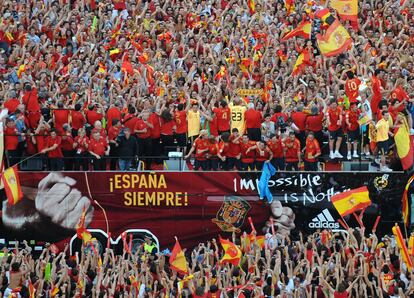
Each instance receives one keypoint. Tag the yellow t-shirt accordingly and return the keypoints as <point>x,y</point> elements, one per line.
<point>382,127</point>
<point>193,121</point>
<point>237,117</point>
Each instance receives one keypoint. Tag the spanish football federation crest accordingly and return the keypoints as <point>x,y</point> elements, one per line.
<point>231,214</point>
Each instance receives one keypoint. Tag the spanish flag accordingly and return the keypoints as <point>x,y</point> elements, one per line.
<point>404,144</point>
<point>325,16</point>
<point>401,245</point>
<point>335,41</point>
<point>114,52</point>
<point>165,36</point>
<point>252,6</point>
<point>81,230</point>
<point>411,245</point>
<point>405,203</point>
<point>302,30</point>
<point>32,290</point>
<point>259,240</point>
<point>102,68</point>
<point>22,69</point>
<point>10,179</point>
<point>301,62</point>
<point>290,6</point>
<point>221,74</point>
<point>232,254</point>
<point>246,65</point>
<point>127,66</point>
<point>137,46</point>
<point>347,9</point>
<point>143,58</point>
<point>178,262</point>
<point>282,55</point>
<point>351,201</point>
<point>54,291</point>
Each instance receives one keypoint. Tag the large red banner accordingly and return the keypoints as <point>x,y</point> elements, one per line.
<point>194,206</point>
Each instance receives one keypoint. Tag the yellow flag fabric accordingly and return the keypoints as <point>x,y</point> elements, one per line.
<point>404,145</point>
<point>11,183</point>
<point>335,41</point>
<point>351,201</point>
<point>401,245</point>
<point>178,261</point>
<point>347,9</point>
<point>232,254</point>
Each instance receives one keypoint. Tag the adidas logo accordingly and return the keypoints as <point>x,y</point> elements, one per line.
<point>324,220</point>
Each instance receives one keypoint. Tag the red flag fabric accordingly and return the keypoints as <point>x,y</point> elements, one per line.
<point>178,262</point>
<point>335,41</point>
<point>302,30</point>
<point>232,254</point>
<point>81,230</point>
<point>252,6</point>
<point>301,62</point>
<point>127,66</point>
<point>221,74</point>
<point>405,202</point>
<point>10,178</point>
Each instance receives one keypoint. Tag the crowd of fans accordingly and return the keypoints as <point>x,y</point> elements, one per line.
<point>108,81</point>
<point>324,264</point>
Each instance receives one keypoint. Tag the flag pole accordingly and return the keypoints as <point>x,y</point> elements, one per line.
<point>96,202</point>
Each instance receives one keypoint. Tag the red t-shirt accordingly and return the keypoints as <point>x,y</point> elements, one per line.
<point>223,148</point>
<point>181,120</point>
<point>214,295</point>
<point>292,150</point>
<point>353,120</point>
<point>93,116</point>
<point>113,133</point>
<point>253,118</point>
<point>312,148</point>
<point>56,153</point>
<point>352,89</point>
<point>334,116</point>
<point>119,4</point>
<point>167,127</point>
<point>12,104</point>
<point>223,118</point>
<point>247,157</point>
<point>129,122</point>
<point>82,144</point>
<point>234,148</point>
<point>78,120</point>
<point>212,150</point>
<point>399,94</point>
<point>314,122</point>
<point>141,125</point>
<point>98,146</point>
<point>299,118</point>
<point>31,101</point>
<point>276,116</point>
<point>200,145</point>
<point>154,119</point>
<point>111,114</point>
<point>376,90</point>
<point>262,155</point>
<point>31,147</point>
<point>11,139</point>
<point>67,143</point>
<point>40,142</point>
<point>101,131</point>
<point>276,148</point>
<point>340,295</point>
<point>61,117</point>
<point>214,127</point>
